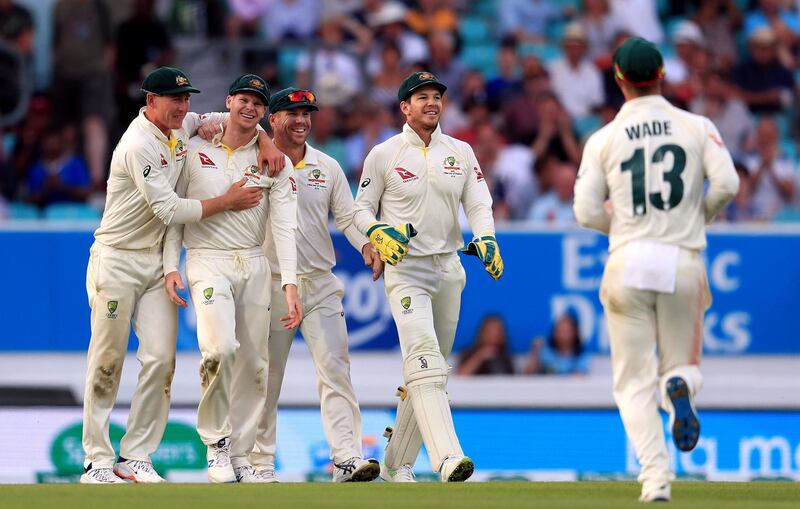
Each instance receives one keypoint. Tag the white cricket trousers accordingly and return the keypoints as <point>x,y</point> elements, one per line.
<point>230,292</point>
<point>325,332</point>
<point>126,286</point>
<point>425,297</point>
<point>654,336</point>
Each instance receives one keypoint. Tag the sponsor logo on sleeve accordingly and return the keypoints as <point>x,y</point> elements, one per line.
<point>164,162</point>
<point>365,182</point>
<point>294,184</point>
<point>146,171</point>
<point>478,173</point>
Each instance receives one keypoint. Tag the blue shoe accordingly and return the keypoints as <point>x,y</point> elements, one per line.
<point>683,417</point>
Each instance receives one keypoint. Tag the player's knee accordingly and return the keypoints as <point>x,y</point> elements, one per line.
<point>424,367</point>
<point>164,366</point>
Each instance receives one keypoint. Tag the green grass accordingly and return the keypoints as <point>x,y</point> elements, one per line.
<point>505,495</point>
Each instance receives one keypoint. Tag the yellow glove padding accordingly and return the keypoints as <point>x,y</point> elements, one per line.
<point>391,243</point>
<point>488,251</point>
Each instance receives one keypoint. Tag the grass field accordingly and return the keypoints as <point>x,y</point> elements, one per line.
<point>500,495</point>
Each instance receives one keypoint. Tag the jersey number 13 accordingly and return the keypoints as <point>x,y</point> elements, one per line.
<point>636,165</point>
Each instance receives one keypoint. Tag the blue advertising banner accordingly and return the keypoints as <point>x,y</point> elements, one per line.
<point>753,276</point>
<point>520,444</point>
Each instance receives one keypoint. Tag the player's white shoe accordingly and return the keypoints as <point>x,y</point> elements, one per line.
<point>137,471</point>
<point>219,462</point>
<point>402,474</point>
<point>101,476</point>
<point>456,469</point>
<point>247,473</point>
<point>265,474</point>
<point>656,493</point>
<point>356,469</point>
<point>683,418</point>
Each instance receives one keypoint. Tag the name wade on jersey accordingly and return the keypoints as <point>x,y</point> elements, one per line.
<point>652,128</point>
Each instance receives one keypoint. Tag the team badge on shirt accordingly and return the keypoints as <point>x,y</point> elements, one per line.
<point>406,175</point>
<point>180,149</point>
<point>206,161</point>
<point>315,179</point>
<point>452,167</point>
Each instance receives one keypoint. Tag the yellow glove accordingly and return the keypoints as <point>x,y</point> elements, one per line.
<point>390,243</point>
<point>488,251</point>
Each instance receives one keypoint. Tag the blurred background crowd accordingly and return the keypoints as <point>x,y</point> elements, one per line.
<point>528,81</point>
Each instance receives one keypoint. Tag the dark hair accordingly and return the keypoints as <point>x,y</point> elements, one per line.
<point>577,343</point>
<point>466,354</point>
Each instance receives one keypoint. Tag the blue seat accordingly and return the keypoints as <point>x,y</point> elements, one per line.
<point>584,126</point>
<point>788,215</point>
<point>474,29</point>
<point>480,57</point>
<point>71,211</point>
<point>287,64</point>
<point>544,52</point>
<point>21,210</point>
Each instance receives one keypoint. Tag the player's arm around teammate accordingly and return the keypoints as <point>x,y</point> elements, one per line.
<point>228,276</point>
<point>125,276</point>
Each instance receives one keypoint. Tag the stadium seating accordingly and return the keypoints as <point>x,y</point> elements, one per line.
<point>71,211</point>
<point>20,210</point>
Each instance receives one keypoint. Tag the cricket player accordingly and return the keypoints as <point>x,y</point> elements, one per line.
<point>651,162</point>
<point>230,279</point>
<point>322,189</point>
<point>419,177</point>
<point>125,275</point>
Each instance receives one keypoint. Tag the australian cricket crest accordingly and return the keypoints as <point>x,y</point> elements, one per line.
<point>406,303</point>
<point>315,179</point>
<point>180,149</point>
<point>208,293</point>
<point>112,309</point>
<point>452,167</point>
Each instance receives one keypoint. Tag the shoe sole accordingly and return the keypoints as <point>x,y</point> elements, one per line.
<point>685,425</point>
<point>462,472</point>
<point>85,479</point>
<point>366,473</point>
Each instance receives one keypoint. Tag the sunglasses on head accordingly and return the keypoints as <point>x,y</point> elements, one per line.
<point>301,96</point>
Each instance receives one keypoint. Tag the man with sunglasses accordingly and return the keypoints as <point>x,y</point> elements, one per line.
<point>229,280</point>
<point>124,278</point>
<point>420,177</point>
<point>322,189</point>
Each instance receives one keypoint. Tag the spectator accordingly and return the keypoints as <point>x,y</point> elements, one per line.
<point>488,147</point>
<point>82,69</point>
<point>688,41</point>
<point>444,64</point>
<point>60,175</point>
<point>432,15</point>
<point>773,14</point>
<point>388,23</point>
<point>489,354</point>
<point>555,206</point>
<point>640,17</point>
<point>720,20</point>
<point>741,208</point>
<point>374,126</point>
<point>601,26</point>
<point>562,355</point>
<point>336,74</point>
<point>16,27</point>
<point>520,111</point>
<point>772,174</point>
<point>614,97</point>
<point>508,82</point>
<point>554,134</point>
<point>576,80</point>
<point>765,85</point>
<point>527,20</point>
<point>143,43</point>
<point>729,114</point>
<point>290,20</point>
<point>386,83</point>
<point>324,136</point>
<point>477,115</point>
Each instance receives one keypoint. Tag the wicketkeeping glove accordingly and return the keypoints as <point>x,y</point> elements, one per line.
<point>391,243</point>
<point>487,250</point>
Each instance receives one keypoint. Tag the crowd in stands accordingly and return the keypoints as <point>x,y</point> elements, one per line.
<point>529,81</point>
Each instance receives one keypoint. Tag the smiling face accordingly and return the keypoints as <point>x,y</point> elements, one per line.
<point>424,108</point>
<point>246,110</point>
<point>291,127</point>
<point>167,111</point>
